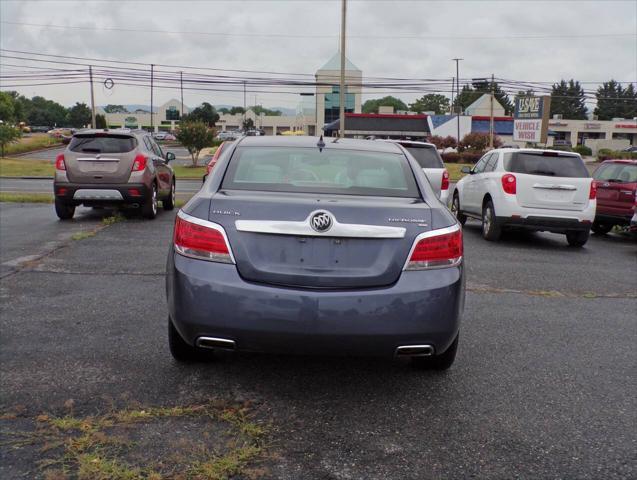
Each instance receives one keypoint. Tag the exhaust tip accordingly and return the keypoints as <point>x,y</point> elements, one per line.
<point>415,351</point>
<point>215,343</point>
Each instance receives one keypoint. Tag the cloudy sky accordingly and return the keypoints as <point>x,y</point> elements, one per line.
<point>591,41</point>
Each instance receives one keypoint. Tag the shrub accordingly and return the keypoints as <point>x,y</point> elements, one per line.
<point>583,150</point>
<point>195,136</point>
<point>607,154</point>
<point>561,148</point>
<point>462,157</point>
<point>478,142</point>
<point>8,134</point>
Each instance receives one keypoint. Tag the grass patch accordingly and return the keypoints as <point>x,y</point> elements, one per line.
<point>26,197</point>
<point>213,441</point>
<point>113,219</point>
<point>189,172</point>
<point>12,167</point>
<point>454,170</point>
<point>32,142</point>
<point>83,235</point>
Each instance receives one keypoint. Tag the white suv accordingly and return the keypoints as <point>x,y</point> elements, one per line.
<point>541,190</point>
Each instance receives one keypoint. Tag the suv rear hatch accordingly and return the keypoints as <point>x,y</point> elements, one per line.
<point>430,161</point>
<point>100,157</point>
<point>550,180</point>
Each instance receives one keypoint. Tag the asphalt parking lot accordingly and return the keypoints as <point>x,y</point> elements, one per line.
<point>543,387</point>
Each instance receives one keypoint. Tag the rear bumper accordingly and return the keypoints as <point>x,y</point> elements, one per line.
<point>96,194</point>
<point>614,219</point>
<point>211,299</point>
<point>545,224</point>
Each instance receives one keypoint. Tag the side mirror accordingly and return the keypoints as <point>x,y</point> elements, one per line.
<point>466,170</point>
<point>170,156</point>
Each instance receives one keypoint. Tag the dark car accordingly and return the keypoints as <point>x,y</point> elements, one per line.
<point>296,245</point>
<point>616,182</point>
<point>119,168</point>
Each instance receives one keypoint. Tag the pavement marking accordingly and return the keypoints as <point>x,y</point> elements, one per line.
<point>476,288</point>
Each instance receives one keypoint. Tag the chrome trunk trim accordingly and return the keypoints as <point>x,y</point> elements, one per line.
<point>97,194</point>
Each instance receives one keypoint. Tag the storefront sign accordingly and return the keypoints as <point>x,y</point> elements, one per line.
<point>626,125</point>
<point>592,126</point>
<point>531,119</point>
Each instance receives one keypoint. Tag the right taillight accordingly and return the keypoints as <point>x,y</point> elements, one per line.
<point>445,180</point>
<point>201,239</point>
<point>592,193</point>
<point>139,163</point>
<point>436,249</point>
<point>59,162</point>
<point>509,184</point>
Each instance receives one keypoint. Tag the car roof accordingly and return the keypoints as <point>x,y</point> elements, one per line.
<point>331,143</point>
<point>532,150</point>
<point>114,131</point>
<point>620,160</point>
<point>406,143</point>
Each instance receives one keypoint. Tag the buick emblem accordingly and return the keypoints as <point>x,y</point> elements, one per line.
<point>321,221</point>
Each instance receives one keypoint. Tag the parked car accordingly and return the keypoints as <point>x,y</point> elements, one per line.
<point>631,149</point>
<point>539,190</point>
<point>229,135</point>
<point>431,162</point>
<point>304,246</point>
<point>113,168</point>
<point>215,157</point>
<point>616,182</point>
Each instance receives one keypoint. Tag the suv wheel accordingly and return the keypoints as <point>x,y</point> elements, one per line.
<point>64,211</point>
<point>577,238</point>
<point>601,228</point>
<point>455,209</point>
<point>437,362</point>
<point>490,230</point>
<point>180,350</point>
<point>169,202</point>
<point>149,209</point>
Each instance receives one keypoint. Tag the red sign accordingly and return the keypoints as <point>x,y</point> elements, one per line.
<point>626,125</point>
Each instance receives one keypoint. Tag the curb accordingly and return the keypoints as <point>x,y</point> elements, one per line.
<point>3,177</point>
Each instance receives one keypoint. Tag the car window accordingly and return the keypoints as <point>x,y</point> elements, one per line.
<point>427,157</point>
<point>308,170</point>
<point>479,167</point>
<point>554,164</point>
<point>102,143</point>
<point>617,172</point>
<point>156,148</point>
<point>491,163</point>
<point>147,144</point>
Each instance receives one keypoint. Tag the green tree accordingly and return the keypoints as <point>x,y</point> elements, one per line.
<point>371,106</point>
<point>567,99</point>
<point>248,124</point>
<point>432,102</point>
<point>7,109</point>
<point>115,109</point>
<point>223,110</point>
<point>467,96</point>
<point>615,101</point>
<point>46,112</point>
<point>630,101</point>
<point>259,109</point>
<point>205,113</point>
<point>79,115</point>
<point>100,121</point>
<point>195,136</point>
<point>236,110</point>
<point>8,134</point>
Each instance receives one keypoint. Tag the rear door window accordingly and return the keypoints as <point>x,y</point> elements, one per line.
<point>427,157</point>
<point>491,163</point>
<point>102,144</point>
<point>482,163</point>
<point>617,172</point>
<point>550,164</point>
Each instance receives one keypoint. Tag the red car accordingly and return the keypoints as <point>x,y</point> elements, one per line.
<point>213,160</point>
<point>616,182</point>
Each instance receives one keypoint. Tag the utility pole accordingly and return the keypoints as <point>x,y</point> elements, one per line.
<point>341,90</point>
<point>244,104</point>
<point>453,85</point>
<point>491,114</point>
<point>152,72</point>
<point>457,60</point>
<point>181,86</point>
<point>90,74</point>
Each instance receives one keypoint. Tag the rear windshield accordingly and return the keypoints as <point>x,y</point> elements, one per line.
<point>308,170</point>
<point>427,157</point>
<point>617,172</point>
<point>550,164</point>
<point>102,144</point>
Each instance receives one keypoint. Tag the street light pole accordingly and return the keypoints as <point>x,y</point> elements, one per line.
<point>181,86</point>
<point>341,90</point>
<point>491,112</point>
<point>457,60</point>
<point>152,123</point>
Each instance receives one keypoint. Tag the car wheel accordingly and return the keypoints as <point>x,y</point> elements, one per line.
<point>169,203</point>
<point>149,209</point>
<point>438,362</point>
<point>490,230</point>
<point>601,228</point>
<point>578,238</point>
<point>182,351</point>
<point>64,211</point>
<point>455,209</point>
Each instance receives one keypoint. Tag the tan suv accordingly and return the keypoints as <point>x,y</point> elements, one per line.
<point>120,168</point>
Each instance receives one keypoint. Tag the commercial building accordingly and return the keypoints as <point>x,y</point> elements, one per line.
<point>164,117</point>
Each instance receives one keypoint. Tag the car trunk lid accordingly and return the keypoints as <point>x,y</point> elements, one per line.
<point>100,158</point>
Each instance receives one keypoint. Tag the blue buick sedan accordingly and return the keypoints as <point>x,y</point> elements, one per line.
<point>312,246</point>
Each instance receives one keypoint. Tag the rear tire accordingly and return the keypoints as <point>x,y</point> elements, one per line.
<point>180,350</point>
<point>577,238</point>
<point>64,211</point>
<point>149,208</point>
<point>169,202</point>
<point>490,230</point>
<point>438,362</point>
<point>455,209</point>
<point>601,228</point>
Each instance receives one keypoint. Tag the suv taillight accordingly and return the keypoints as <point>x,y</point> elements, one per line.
<point>436,249</point>
<point>201,239</point>
<point>59,162</point>
<point>445,180</point>
<point>509,184</point>
<point>592,193</point>
<point>139,163</point>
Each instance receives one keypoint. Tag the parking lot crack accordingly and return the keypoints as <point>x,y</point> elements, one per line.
<point>478,288</point>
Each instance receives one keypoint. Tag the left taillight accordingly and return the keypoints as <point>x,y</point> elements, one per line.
<point>445,180</point>
<point>59,162</point>
<point>201,239</point>
<point>436,249</point>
